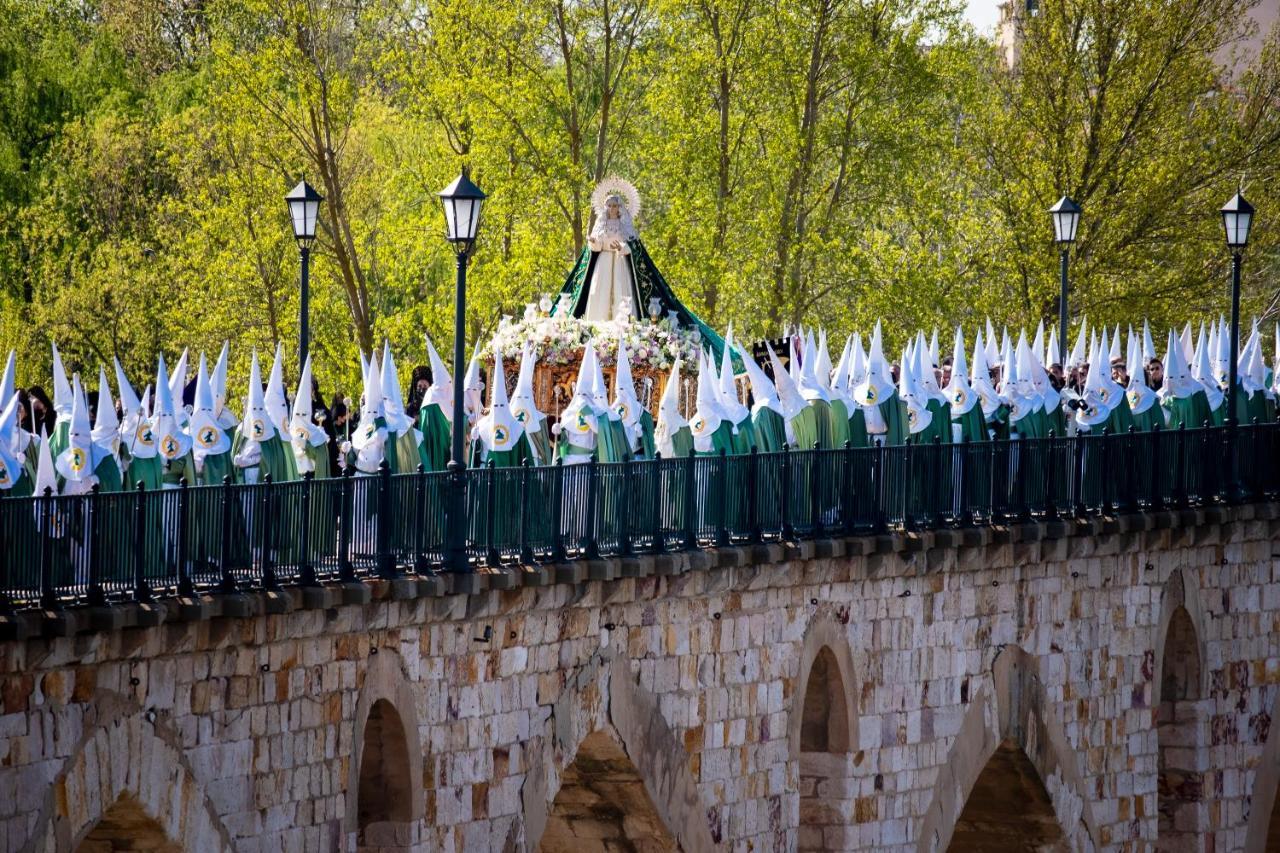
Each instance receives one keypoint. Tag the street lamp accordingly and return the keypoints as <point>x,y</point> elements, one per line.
<point>1066,219</point>
<point>1237,218</point>
<point>462,201</point>
<point>304,212</point>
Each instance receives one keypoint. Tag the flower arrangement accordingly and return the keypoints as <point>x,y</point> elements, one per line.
<point>651,345</point>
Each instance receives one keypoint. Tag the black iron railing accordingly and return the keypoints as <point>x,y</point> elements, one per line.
<point>135,545</point>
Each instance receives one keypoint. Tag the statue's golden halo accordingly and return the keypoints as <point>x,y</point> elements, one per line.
<point>611,186</point>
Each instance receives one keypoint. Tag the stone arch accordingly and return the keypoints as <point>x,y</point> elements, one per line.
<point>1263,831</point>
<point>826,643</point>
<point>604,708</point>
<point>1180,591</point>
<point>1179,686</point>
<point>125,826</point>
<point>128,773</point>
<point>385,796</point>
<point>1010,720</point>
<point>822,730</point>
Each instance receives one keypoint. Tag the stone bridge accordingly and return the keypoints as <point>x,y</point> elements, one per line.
<point>1107,684</point>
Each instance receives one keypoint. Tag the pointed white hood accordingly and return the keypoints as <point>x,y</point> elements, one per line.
<point>959,394</point>
<point>925,376</point>
<point>1148,346</point>
<point>499,429</point>
<point>763,394</point>
<point>670,421</point>
<point>178,383</point>
<point>579,421</point>
<point>1051,349</point>
<point>171,442</point>
<point>7,385</point>
<point>523,403</point>
<point>918,415</point>
<point>625,402</point>
<point>207,436</point>
<point>398,421</point>
<point>370,439</point>
<point>811,388</point>
<point>62,401</point>
<point>878,386</point>
<point>256,424</point>
<point>1079,352</point>
<point>1037,344</point>
<point>10,465</point>
<point>1203,373</point>
<point>441,391</point>
<point>789,400</point>
<point>1140,396</point>
<point>304,432</point>
<point>709,415</point>
<point>473,388</point>
<point>277,405</point>
<point>980,379</point>
<point>1178,381</point>
<point>733,407</point>
<point>46,478</point>
<point>76,463</point>
<point>106,426</point>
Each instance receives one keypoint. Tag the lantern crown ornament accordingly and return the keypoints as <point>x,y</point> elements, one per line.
<point>1237,219</point>
<point>1066,219</point>
<point>462,201</point>
<point>304,212</point>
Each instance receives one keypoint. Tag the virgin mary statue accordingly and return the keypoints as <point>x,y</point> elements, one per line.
<point>615,277</point>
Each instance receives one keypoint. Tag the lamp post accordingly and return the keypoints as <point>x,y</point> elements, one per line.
<point>462,201</point>
<point>304,212</point>
<point>1066,218</point>
<point>1237,218</point>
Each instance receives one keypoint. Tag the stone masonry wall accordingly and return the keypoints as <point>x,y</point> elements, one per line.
<point>246,734</point>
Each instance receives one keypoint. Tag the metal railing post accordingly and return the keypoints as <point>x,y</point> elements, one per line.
<point>269,578</point>
<point>306,567</point>
<point>1180,473</point>
<point>492,554</point>
<point>96,595</point>
<point>815,491</point>
<point>141,589</point>
<point>226,578</point>
<point>964,518</point>
<point>557,512</point>
<point>620,507</point>
<point>753,496</point>
<point>1104,479</point>
<point>420,521</point>
<point>186,588</point>
<point>526,504</point>
<point>880,521</point>
<point>346,499</point>
<point>659,541</point>
<point>590,547</point>
<point>788,531</point>
<point>690,497</point>
<point>383,558</point>
<point>1156,495</point>
<point>48,596</point>
<point>722,493</point>
<point>1077,465</point>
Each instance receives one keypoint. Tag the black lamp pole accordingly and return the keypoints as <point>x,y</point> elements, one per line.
<point>462,201</point>
<point>1237,218</point>
<point>1232,368</point>
<point>1064,257</point>
<point>1066,219</point>
<point>304,304</point>
<point>304,212</point>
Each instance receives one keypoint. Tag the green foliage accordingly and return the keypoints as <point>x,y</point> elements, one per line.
<point>822,161</point>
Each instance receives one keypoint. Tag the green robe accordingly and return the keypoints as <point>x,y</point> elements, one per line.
<point>647,448</point>
<point>436,435</point>
<point>402,451</point>
<point>858,436</point>
<point>682,442</point>
<point>894,413</point>
<point>649,284</point>
<point>612,444</point>
<point>1150,419</point>
<point>217,466</point>
<point>1191,411</point>
<point>972,425</point>
<point>840,435</point>
<point>770,430</point>
<point>147,471</point>
<point>744,437</point>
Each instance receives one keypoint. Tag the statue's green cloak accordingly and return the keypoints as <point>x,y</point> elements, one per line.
<point>649,284</point>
